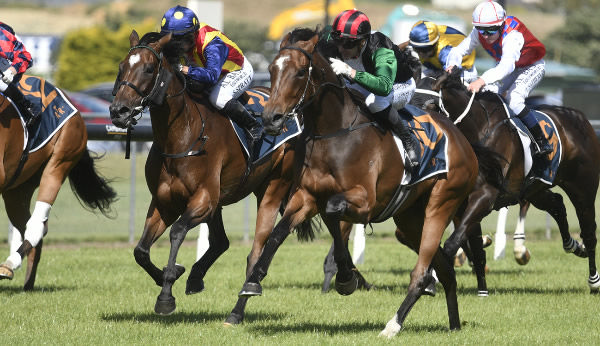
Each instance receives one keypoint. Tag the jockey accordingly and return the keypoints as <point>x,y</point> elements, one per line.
<point>433,43</point>
<point>211,59</point>
<point>520,64</point>
<point>370,66</point>
<point>15,60</point>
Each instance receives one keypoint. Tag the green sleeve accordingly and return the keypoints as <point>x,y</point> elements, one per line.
<point>382,81</point>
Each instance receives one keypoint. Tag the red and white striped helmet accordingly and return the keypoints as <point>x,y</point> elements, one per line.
<point>488,13</point>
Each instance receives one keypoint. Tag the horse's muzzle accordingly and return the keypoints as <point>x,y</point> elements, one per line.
<point>273,123</point>
<point>121,115</point>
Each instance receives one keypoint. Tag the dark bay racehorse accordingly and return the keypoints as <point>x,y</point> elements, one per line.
<point>347,170</point>
<point>64,154</point>
<point>486,122</point>
<point>196,166</point>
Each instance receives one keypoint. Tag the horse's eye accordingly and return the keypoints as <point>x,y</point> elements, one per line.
<point>301,73</point>
<point>149,69</point>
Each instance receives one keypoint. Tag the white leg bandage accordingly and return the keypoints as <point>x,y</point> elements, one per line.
<point>35,226</point>
<point>14,241</point>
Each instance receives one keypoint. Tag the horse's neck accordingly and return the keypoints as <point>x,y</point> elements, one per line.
<point>175,122</point>
<point>331,112</point>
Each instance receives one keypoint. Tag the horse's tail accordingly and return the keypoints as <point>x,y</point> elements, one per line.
<point>306,230</point>
<point>490,166</point>
<point>91,189</point>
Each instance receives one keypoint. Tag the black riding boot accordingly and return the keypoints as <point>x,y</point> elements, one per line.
<point>411,145</point>
<point>238,113</point>
<point>26,108</point>
<point>543,147</point>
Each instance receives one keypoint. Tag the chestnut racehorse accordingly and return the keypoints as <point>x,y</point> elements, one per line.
<point>21,172</point>
<point>195,167</point>
<point>347,170</point>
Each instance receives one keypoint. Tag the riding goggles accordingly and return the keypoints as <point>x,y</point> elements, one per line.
<point>488,31</point>
<point>345,40</point>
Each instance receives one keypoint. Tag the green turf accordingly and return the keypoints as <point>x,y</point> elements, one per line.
<point>94,293</point>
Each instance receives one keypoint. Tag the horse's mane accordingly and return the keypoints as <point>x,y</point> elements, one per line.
<point>150,37</point>
<point>324,47</point>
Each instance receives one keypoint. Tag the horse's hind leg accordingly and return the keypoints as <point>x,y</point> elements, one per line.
<point>478,257</point>
<point>586,214</point>
<point>17,202</point>
<point>217,245</point>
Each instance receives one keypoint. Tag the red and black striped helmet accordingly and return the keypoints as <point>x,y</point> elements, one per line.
<point>351,24</point>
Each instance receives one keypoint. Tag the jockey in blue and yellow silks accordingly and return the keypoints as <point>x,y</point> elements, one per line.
<point>433,43</point>
<point>213,60</point>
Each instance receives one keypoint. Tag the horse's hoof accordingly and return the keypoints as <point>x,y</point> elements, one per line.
<point>233,320</point>
<point>487,240</point>
<point>594,283</point>
<point>250,289</point>
<point>482,293</point>
<point>164,307</point>
<point>430,290</point>
<point>6,272</point>
<point>179,270</point>
<point>348,287</point>
<point>522,256</point>
<point>193,286</point>
<point>460,258</point>
<point>575,248</point>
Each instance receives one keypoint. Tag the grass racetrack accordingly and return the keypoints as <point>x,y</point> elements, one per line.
<point>89,290</point>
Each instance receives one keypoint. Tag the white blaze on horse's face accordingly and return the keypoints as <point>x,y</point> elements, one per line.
<point>134,59</point>
<point>281,61</point>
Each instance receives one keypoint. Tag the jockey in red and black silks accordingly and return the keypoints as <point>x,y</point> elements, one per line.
<point>15,60</point>
<point>519,63</point>
<point>213,60</point>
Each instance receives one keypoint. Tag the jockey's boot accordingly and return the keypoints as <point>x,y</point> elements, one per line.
<point>411,145</point>
<point>543,146</point>
<point>27,109</point>
<point>238,113</point>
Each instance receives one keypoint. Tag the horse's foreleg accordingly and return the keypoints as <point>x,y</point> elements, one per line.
<point>217,245</point>
<point>154,227</point>
<point>33,259</point>
<point>192,217</point>
<point>300,208</point>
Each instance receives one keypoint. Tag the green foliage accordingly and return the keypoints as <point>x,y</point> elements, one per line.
<point>92,55</point>
<point>577,42</point>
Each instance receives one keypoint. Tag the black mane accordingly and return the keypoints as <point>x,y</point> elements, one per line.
<point>324,47</point>
<point>150,37</point>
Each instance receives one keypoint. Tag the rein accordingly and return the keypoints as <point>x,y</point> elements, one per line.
<point>463,114</point>
<point>300,106</point>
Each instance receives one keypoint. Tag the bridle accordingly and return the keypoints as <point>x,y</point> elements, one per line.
<point>299,107</point>
<point>157,95</point>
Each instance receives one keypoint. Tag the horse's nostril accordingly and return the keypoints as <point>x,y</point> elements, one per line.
<point>277,117</point>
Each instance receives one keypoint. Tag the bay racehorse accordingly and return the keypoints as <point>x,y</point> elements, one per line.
<point>29,161</point>
<point>347,170</point>
<point>195,167</point>
<point>485,120</point>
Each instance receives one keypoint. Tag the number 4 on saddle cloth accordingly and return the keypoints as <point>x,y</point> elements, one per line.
<point>56,110</point>
<point>254,101</point>
<point>433,160</point>
<point>541,168</point>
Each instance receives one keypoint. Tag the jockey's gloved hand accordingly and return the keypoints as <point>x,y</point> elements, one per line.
<point>341,68</point>
<point>8,76</point>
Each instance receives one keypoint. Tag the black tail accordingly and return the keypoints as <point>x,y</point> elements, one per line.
<point>306,230</point>
<point>92,190</point>
<point>490,166</point>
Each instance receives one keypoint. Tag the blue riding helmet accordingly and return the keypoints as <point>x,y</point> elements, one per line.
<point>179,20</point>
<point>423,34</point>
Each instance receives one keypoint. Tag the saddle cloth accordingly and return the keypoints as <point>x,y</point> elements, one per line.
<point>545,167</point>
<point>254,101</point>
<point>56,110</point>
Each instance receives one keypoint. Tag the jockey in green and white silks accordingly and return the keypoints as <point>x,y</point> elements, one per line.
<point>433,42</point>
<point>520,65</point>
<point>371,67</point>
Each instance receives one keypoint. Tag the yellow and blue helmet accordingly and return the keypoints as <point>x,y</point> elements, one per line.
<point>423,33</point>
<point>179,20</point>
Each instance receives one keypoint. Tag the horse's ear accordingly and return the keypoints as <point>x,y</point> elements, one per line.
<point>134,38</point>
<point>285,40</point>
<point>314,39</point>
<point>164,40</point>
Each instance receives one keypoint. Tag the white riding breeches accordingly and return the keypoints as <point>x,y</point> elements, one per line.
<point>232,85</point>
<point>399,96</point>
<point>519,84</point>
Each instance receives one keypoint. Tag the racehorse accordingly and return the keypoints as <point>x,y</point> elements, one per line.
<point>194,167</point>
<point>25,166</point>
<point>483,119</point>
<point>347,170</point>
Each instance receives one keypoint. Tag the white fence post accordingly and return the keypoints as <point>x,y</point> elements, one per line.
<point>500,236</point>
<point>358,252</point>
